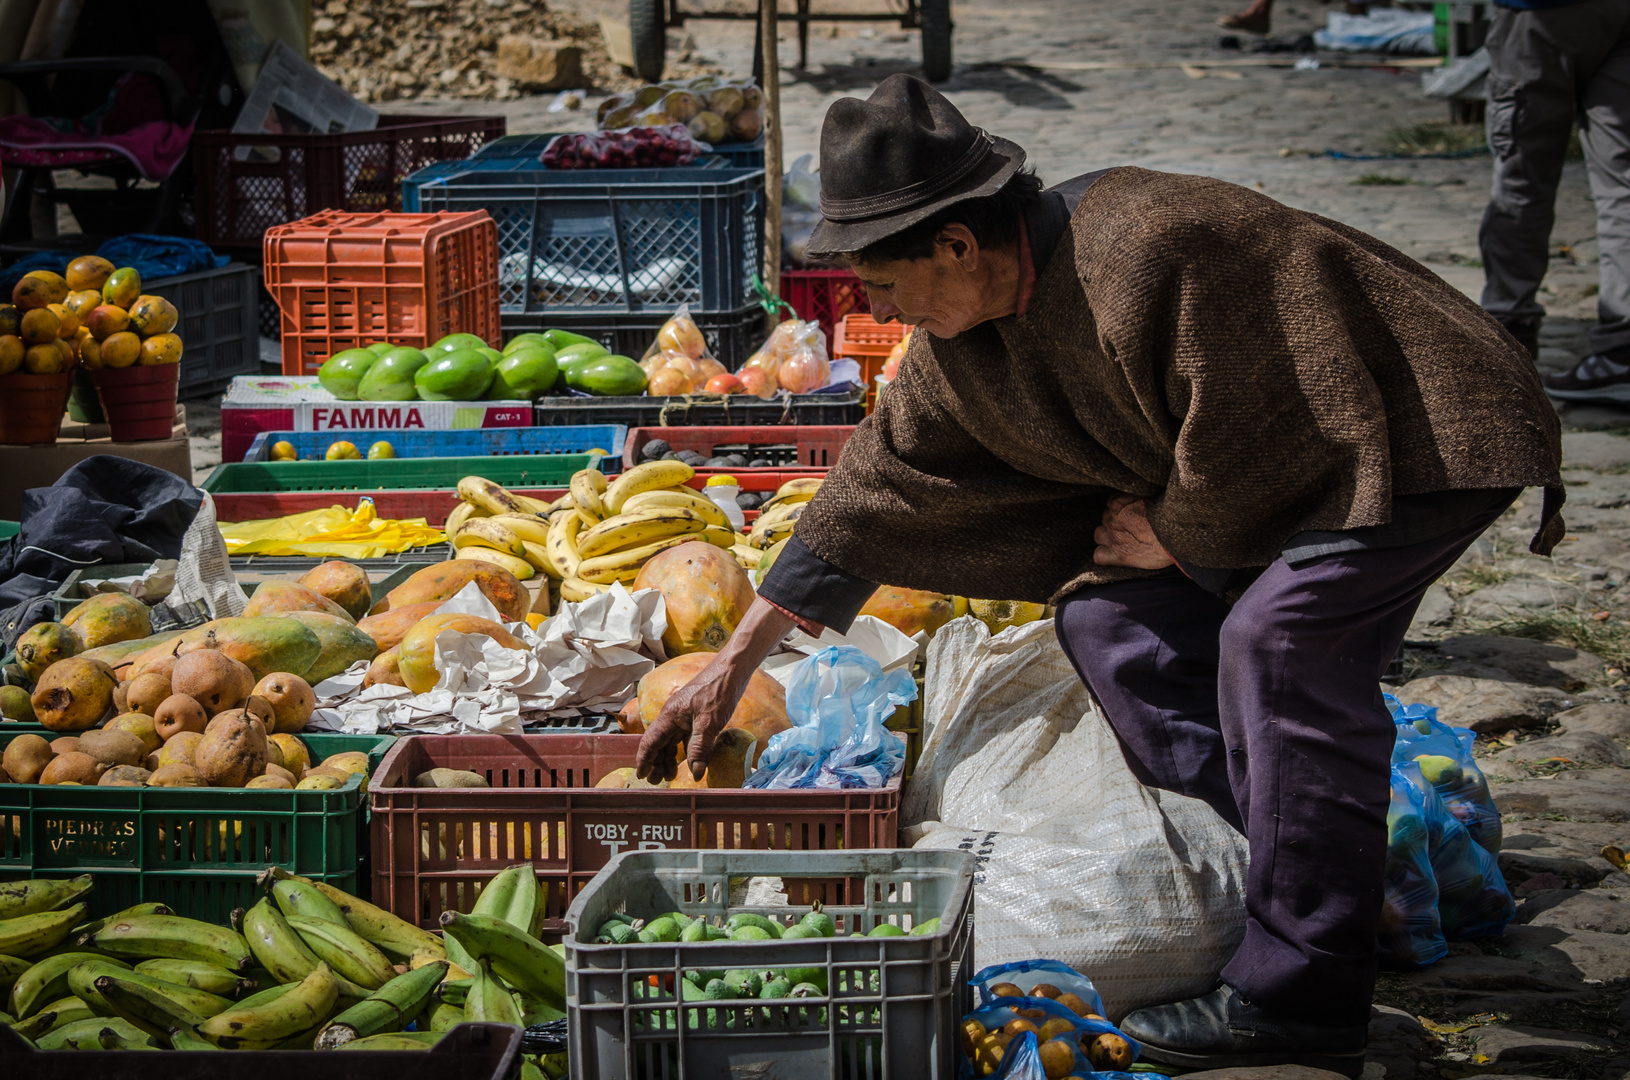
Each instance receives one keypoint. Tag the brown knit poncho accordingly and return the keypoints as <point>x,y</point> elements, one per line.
<point>1253,371</point>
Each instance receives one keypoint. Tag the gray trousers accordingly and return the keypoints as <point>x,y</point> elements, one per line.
<point>1546,69</point>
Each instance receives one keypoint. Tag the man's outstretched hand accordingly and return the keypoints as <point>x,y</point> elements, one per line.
<point>1126,539</point>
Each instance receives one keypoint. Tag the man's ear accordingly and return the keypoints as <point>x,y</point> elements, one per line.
<point>963,247</point>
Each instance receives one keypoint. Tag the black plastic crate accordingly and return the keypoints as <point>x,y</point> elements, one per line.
<point>219,326</point>
<point>731,336</point>
<point>836,408</point>
<point>616,241</point>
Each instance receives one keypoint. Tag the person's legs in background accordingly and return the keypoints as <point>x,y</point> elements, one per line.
<point>1604,131</point>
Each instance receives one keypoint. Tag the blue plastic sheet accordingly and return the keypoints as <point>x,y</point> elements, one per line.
<point>153,257</point>
<point>838,701</point>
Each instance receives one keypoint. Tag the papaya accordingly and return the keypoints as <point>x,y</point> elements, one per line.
<point>388,628</point>
<point>761,712</point>
<point>380,348</point>
<point>342,372</point>
<point>565,339</point>
<point>580,352</point>
<point>706,591</point>
<point>416,656</point>
<point>344,583</point>
<point>528,341</point>
<point>455,343</point>
<point>43,644</point>
<point>342,644</point>
<point>441,581</point>
<point>607,376</point>
<point>283,597</point>
<point>263,645</point>
<point>123,654</point>
<point>391,376</point>
<point>524,374</point>
<point>108,619</point>
<point>910,610</point>
<point>461,375</point>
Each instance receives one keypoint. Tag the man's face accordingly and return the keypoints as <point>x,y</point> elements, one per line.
<point>942,294</point>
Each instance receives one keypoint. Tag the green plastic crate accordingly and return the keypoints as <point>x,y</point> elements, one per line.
<point>398,474</point>
<point>69,595</point>
<point>195,849</point>
<point>8,529</point>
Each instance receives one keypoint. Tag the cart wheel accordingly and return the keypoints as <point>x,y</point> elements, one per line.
<point>936,23</point>
<point>650,37</point>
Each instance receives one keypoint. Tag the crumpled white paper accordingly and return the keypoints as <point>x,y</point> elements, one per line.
<point>872,636</point>
<point>584,658</point>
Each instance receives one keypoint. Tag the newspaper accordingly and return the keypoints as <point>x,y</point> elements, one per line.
<point>292,97</point>
<point>204,573</point>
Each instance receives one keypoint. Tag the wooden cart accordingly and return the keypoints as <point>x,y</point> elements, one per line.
<point>649,20</point>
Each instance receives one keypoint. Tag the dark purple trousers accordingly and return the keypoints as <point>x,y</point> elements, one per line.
<point>1271,712</point>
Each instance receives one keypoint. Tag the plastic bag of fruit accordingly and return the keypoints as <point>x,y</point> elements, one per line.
<point>678,361</point>
<point>1039,978</point>
<point>1410,933</point>
<point>1444,755</point>
<point>1473,901</point>
<point>793,358</point>
<point>713,109</point>
<point>653,147</point>
<point>1065,1044</point>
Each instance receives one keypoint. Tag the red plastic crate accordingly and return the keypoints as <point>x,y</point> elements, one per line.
<point>434,849</point>
<point>434,505</point>
<point>824,296</point>
<point>868,343</point>
<point>345,280</point>
<point>806,447</point>
<point>248,183</point>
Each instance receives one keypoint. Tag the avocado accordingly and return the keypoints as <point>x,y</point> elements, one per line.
<point>607,376</point>
<point>391,376</point>
<point>462,375</point>
<point>342,372</point>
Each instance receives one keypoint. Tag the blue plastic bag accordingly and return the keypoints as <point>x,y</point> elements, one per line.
<point>838,701</point>
<point>1473,901</point>
<point>1026,974</point>
<point>1018,1057</point>
<point>1444,754</point>
<point>1410,934</point>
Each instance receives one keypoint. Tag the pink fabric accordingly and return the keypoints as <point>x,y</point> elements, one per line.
<point>154,148</point>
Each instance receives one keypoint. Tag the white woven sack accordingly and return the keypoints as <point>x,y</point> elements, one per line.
<point>1140,890</point>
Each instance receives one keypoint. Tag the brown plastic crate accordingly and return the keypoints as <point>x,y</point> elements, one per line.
<point>434,849</point>
<point>867,342</point>
<point>248,183</point>
<point>344,280</point>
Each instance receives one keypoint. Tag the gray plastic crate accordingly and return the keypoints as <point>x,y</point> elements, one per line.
<point>219,326</point>
<point>893,1002</point>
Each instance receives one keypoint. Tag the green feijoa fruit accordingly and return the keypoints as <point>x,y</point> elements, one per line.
<point>821,923</point>
<point>746,983</point>
<point>776,988</point>
<point>703,976</point>
<point>696,931</point>
<point>886,930</point>
<point>800,930</point>
<point>663,929</point>
<point>747,918</point>
<point>719,990</point>
<point>751,933</point>
<point>925,929</point>
<point>805,989</point>
<point>814,976</point>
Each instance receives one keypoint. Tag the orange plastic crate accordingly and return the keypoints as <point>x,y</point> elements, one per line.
<point>868,342</point>
<point>344,280</point>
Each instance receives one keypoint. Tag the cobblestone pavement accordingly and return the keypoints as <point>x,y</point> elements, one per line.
<point>1532,653</point>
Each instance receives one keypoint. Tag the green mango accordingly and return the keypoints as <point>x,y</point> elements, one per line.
<point>608,376</point>
<point>584,350</point>
<point>455,343</point>
<point>560,339</point>
<point>462,375</point>
<point>380,348</point>
<point>391,376</point>
<point>522,341</point>
<point>491,354</point>
<point>342,372</point>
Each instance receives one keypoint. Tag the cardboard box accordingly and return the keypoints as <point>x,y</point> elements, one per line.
<point>255,404</point>
<point>40,466</point>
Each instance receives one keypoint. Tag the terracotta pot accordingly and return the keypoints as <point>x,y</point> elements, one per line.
<point>31,407</point>
<point>139,401</point>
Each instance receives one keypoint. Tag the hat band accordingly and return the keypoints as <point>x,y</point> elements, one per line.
<point>912,194</point>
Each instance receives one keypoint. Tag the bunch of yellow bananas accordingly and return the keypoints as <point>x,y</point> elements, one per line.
<point>602,533</point>
<point>497,526</point>
<point>777,517</point>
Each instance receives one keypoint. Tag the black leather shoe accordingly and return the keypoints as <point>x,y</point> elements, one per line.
<point>1223,1031</point>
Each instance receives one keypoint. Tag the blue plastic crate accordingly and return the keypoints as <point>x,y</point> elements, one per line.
<point>737,155</point>
<point>616,241</point>
<point>459,442</point>
<point>516,160</point>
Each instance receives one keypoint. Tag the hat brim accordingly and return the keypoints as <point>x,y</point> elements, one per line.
<point>839,237</point>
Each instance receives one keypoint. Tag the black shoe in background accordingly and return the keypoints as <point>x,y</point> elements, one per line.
<point>1223,1031</point>
<point>1526,331</point>
<point>1598,377</point>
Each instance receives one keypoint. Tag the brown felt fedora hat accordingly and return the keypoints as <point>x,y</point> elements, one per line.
<point>898,158</point>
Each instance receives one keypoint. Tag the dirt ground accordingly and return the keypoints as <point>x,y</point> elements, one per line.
<point>1531,653</point>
